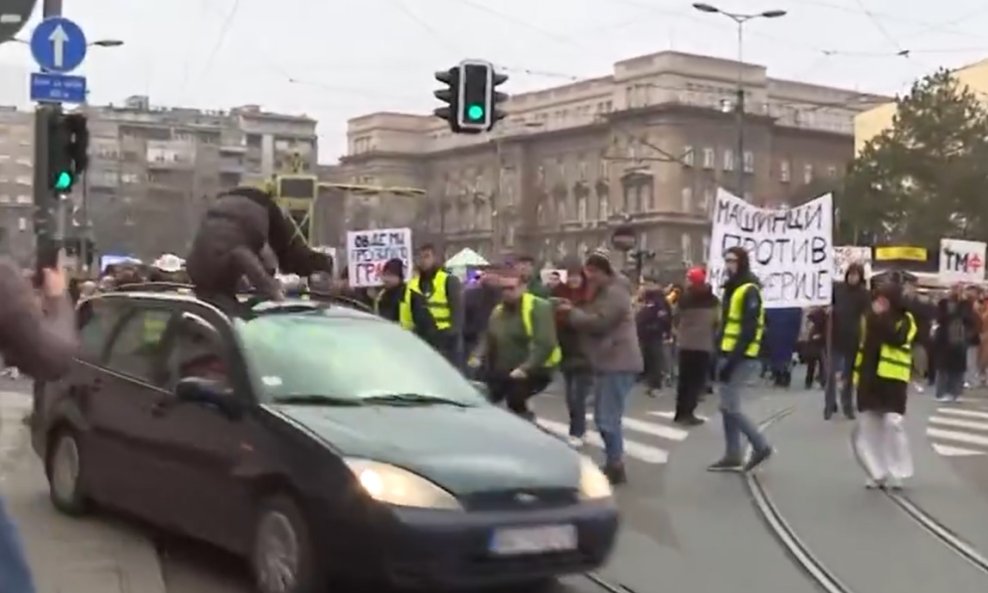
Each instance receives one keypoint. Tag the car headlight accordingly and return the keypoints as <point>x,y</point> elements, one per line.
<point>393,485</point>
<point>594,485</point>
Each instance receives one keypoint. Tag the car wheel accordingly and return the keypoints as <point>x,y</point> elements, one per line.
<point>282,558</point>
<point>65,467</point>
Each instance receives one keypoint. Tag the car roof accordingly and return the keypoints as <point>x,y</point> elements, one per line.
<point>332,305</point>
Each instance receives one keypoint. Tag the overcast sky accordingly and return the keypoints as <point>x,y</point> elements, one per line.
<point>335,59</point>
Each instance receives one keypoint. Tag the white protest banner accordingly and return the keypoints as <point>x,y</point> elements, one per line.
<point>845,255</point>
<point>962,261</point>
<point>368,250</point>
<point>791,250</point>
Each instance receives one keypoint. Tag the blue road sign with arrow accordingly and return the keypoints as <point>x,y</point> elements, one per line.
<point>58,45</point>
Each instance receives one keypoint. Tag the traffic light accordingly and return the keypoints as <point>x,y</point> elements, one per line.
<point>472,97</point>
<point>450,96</point>
<point>68,143</point>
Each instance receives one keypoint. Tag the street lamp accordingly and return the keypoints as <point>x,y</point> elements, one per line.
<point>740,19</point>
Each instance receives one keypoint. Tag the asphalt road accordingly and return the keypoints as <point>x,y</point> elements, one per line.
<point>687,530</point>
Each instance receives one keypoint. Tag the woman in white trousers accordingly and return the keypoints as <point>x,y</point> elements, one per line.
<point>882,371</point>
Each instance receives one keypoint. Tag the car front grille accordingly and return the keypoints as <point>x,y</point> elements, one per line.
<point>521,499</point>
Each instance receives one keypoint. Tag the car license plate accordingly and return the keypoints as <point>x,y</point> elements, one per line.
<point>533,540</point>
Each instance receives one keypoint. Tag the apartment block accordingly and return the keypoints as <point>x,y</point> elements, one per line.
<point>647,145</point>
<point>16,203</point>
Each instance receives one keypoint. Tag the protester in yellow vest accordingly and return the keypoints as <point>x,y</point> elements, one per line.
<point>443,295</point>
<point>882,370</point>
<point>399,303</point>
<point>520,350</point>
<point>743,315</point>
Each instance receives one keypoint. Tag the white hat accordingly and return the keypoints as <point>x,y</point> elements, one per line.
<point>169,263</point>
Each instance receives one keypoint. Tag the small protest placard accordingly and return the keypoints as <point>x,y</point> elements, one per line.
<point>367,251</point>
<point>962,261</point>
<point>791,250</point>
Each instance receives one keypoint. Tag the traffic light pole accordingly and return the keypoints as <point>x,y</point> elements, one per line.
<point>46,202</point>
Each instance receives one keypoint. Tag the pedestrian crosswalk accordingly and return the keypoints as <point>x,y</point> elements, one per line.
<point>648,438</point>
<point>958,432</point>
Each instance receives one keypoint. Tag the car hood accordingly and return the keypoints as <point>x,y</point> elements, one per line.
<point>464,450</point>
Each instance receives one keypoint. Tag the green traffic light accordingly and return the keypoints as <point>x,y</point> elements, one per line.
<point>475,112</point>
<point>63,180</point>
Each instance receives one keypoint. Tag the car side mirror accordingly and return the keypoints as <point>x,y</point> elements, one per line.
<point>208,391</point>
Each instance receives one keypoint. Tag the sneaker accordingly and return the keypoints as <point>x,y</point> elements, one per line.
<point>871,484</point>
<point>758,458</point>
<point>942,398</point>
<point>689,421</point>
<point>726,465</point>
<point>919,387</point>
<point>894,483</point>
<point>575,442</point>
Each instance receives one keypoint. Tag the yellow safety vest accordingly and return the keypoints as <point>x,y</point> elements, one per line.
<point>895,363</point>
<point>527,307</point>
<point>437,301</point>
<point>405,319</point>
<point>732,326</point>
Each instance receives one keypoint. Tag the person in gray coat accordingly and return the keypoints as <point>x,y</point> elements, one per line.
<point>696,325</point>
<point>607,329</point>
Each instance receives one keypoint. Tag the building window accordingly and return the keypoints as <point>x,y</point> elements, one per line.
<point>832,171</point>
<point>728,160</point>
<point>23,199</point>
<point>22,224</point>
<point>708,199</point>
<point>785,173</point>
<point>709,158</point>
<point>808,173</point>
<point>706,248</point>
<point>749,161</point>
<point>687,199</point>
<point>605,205</point>
<point>686,244</point>
<point>688,158</point>
<point>581,208</point>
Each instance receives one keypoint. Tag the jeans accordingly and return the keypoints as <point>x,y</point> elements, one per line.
<point>735,422</point>
<point>843,364</point>
<point>610,398</point>
<point>950,383</point>
<point>577,385</point>
<point>15,575</point>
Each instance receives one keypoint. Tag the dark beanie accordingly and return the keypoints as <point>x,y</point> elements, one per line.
<point>395,267</point>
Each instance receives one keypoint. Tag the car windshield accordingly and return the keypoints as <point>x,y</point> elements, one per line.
<point>315,359</point>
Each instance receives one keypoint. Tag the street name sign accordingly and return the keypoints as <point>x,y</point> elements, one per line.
<point>57,88</point>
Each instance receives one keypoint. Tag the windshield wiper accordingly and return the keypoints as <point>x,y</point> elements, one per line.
<point>413,399</point>
<point>316,400</point>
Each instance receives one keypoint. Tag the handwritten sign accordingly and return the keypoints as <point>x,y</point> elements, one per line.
<point>791,250</point>
<point>962,261</point>
<point>845,255</point>
<point>367,251</point>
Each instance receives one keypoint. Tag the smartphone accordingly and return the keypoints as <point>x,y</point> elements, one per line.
<point>47,257</point>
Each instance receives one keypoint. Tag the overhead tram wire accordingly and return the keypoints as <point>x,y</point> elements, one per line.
<point>220,38</point>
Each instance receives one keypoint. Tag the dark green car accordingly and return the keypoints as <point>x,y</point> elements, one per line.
<point>318,441</point>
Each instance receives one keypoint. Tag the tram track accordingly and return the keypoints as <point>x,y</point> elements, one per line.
<point>802,555</point>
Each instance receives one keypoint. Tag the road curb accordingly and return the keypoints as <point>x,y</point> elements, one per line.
<point>87,555</point>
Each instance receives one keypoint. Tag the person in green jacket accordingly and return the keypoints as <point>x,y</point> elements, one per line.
<point>519,352</point>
